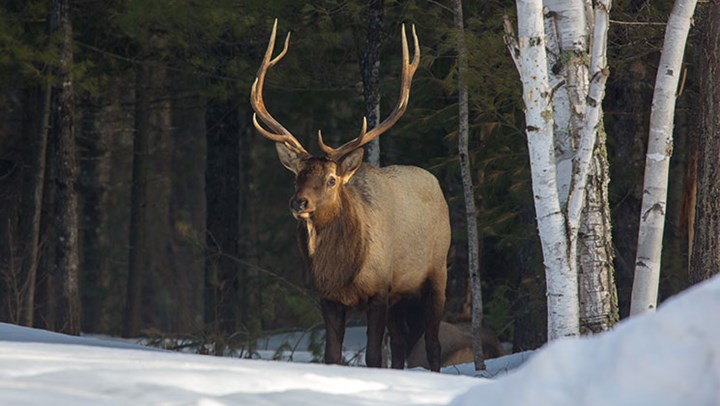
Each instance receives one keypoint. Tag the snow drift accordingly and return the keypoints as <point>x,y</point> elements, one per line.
<point>671,357</point>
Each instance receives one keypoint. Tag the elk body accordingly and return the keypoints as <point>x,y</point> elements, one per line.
<point>372,238</point>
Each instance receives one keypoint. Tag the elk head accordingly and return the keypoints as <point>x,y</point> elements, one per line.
<point>319,181</point>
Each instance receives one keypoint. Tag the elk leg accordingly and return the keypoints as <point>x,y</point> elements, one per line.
<point>434,303</point>
<point>334,316</point>
<point>376,318</point>
<point>398,331</point>
<point>414,324</point>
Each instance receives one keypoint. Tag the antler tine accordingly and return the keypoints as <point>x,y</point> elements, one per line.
<point>330,151</point>
<point>277,132</point>
<point>408,70</point>
<point>324,147</point>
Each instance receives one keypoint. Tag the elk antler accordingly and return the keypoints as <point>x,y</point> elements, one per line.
<point>277,132</point>
<point>408,70</point>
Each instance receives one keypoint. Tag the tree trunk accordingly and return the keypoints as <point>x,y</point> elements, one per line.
<point>64,159</point>
<point>370,67</point>
<point>32,208</point>
<point>589,230</point>
<point>137,252</point>
<point>657,163</point>
<point>705,256</point>
<point>468,190</point>
<point>248,218</point>
<point>581,156</point>
<point>46,307</point>
<point>597,289</point>
<point>96,131</point>
<point>162,280</point>
<point>566,30</point>
<point>185,138</point>
<point>557,67</point>
<point>222,285</point>
<point>529,53</point>
<point>628,97</point>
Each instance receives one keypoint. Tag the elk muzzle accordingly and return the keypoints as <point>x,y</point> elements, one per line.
<point>300,207</point>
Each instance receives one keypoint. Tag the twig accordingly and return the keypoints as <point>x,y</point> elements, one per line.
<point>618,22</point>
<point>511,41</point>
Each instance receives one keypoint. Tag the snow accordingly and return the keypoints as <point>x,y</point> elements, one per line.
<point>671,357</point>
<point>34,373</point>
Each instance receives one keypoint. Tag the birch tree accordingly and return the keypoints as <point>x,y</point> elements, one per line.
<point>560,179</point>
<point>468,190</point>
<point>657,159</point>
<point>577,72</point>
<point>528,52</point>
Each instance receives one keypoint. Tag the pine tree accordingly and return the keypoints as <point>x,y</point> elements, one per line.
<point>705,257</point>
<point>64,161</point>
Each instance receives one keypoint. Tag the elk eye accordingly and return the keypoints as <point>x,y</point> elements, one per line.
<point>331,182</point>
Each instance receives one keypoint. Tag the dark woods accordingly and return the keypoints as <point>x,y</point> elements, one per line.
<point>136,197</point>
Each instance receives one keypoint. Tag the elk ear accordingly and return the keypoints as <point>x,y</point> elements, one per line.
<point>350,163</point>
<point>289,157</point>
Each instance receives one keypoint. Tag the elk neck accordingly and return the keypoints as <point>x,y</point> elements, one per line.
<point>334,244</point>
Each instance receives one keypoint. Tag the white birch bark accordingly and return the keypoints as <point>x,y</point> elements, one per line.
<point>657,160</point>
<point>528,52</point>
<point>578,114</point>
<point>598,293</point>
<point>592,108</point>
<point>564,145</point>
<point>566,20</point>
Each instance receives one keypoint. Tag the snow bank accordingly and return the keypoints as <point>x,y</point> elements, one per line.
<point>671,357</point>
<point>11,332</point>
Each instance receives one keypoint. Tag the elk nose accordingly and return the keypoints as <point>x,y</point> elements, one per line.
<point>298,204</point>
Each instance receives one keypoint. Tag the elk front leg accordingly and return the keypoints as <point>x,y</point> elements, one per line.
<point>376,317</point>
<point>334,316</point>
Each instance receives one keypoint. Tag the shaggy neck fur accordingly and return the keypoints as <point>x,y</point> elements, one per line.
<point>334,246</point>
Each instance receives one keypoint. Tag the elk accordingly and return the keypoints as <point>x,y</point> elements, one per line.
<point>372,238</point>
<point>456,347</point>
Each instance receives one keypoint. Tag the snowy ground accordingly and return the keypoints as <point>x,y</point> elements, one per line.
<point>671,357</point>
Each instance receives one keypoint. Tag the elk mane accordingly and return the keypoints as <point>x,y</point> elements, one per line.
<point>340,248</point>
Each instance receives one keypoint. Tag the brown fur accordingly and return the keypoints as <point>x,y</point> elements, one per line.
<point>339,237</point>
<point>456,347</point>
<point>377,238</point>
<point>370,236</point>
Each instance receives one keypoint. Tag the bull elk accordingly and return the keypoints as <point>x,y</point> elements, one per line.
<point>372,238</point>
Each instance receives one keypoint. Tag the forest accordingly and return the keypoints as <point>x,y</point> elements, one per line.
<point>141,200</point>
